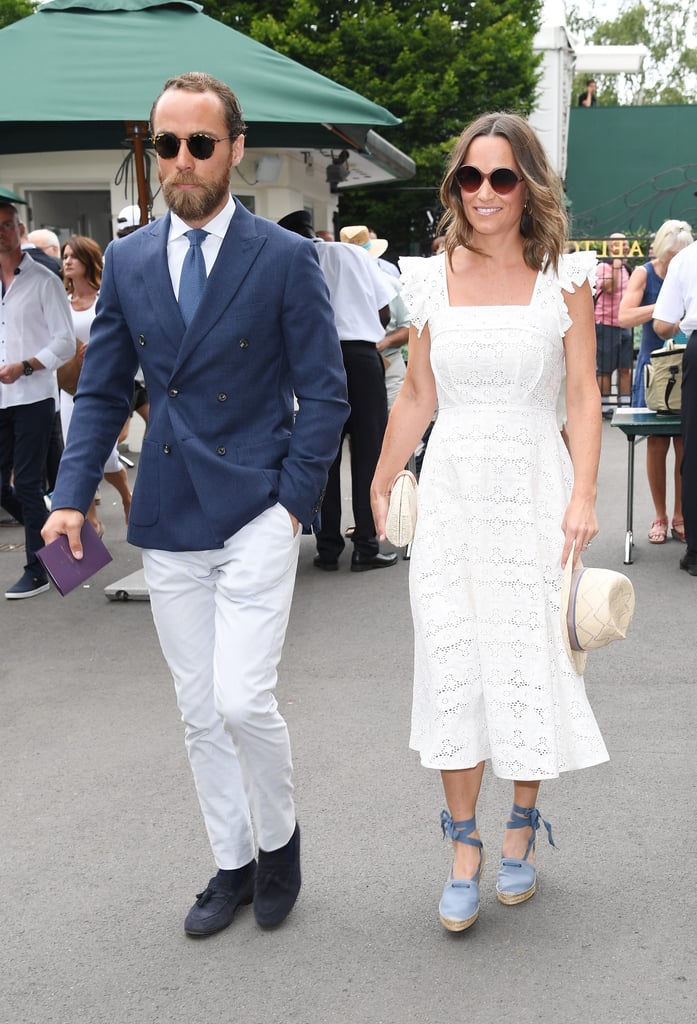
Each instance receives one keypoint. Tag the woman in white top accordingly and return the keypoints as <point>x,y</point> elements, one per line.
<point>82,274</point>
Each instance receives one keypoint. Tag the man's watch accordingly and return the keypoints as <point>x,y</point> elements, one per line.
<point>28,368</point>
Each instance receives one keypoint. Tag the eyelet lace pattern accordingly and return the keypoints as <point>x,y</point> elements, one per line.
<point>491,675</point>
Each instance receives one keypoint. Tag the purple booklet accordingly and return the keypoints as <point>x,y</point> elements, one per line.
<point>68,572</point>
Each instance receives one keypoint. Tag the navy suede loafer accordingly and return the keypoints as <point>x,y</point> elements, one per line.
<point>215,907</point>
<point>277,882</point>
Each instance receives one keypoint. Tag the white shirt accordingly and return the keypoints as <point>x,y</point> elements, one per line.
<point>677,299</point>
<point>35,323</point>
<point>178,244</point>
<point>357,290</point>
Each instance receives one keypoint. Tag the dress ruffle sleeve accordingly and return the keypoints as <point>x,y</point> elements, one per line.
<point>418,284</point>
<point>574,269</point>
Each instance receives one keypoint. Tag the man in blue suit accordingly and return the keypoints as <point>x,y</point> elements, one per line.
<point>229,317</point>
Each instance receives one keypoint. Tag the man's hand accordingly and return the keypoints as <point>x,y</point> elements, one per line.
<point>68,522</point>
<point>11,372</point>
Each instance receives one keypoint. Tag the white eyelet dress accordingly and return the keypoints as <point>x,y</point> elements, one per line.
<point>492,679</point>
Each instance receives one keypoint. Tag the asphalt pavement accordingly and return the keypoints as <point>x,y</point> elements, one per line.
<point>103,848</point>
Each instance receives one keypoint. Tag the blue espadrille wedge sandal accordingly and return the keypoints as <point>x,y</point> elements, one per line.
<point>517,879</point>
<point>459,905</point>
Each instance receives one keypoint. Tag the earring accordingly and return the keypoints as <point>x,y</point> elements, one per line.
<point>526,220</point>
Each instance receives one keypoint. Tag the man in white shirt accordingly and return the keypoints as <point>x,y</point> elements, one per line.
<point>36,337</point>
<point>360,295</point>
<point>675,310</point>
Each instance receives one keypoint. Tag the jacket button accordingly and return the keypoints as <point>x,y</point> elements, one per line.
<point>222,397</point>
<point>220,450</point>
<point>244,343</point>
<point>166,448</point>
<point>141,339</point>
<point>173,392</point>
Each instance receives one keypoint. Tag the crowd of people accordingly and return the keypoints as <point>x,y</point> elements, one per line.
<point>249,400</point>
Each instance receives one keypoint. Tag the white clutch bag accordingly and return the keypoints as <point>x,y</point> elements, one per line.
<point>401,514</point>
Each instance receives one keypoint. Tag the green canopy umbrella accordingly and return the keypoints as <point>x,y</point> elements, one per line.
<point>73,72</point>
<point>6,193</point>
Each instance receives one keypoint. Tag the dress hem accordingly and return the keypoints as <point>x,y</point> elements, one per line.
<point>534,777</point>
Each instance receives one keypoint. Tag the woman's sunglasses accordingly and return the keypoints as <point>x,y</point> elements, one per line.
<point>200,145</point>
<point>503,180</point>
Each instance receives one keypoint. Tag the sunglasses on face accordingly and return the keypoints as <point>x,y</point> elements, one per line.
<point>200,145</point>
<point>503,180</point>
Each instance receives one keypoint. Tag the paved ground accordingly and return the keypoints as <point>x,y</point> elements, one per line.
<point>103,848</point>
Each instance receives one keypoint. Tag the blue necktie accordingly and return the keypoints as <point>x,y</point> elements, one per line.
<point>193,279</point>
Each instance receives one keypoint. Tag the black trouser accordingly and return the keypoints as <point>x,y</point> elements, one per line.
<point>365,376</point>
<point>24,436</point>
<point>55,451</point>
<point>688,467</point>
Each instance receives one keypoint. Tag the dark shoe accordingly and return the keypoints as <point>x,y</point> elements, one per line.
<point>323,563</point>
<point>215,907</point>
<point>277,883</point>
<point>28,586</point>
<point>687,562</point>
<point>362,563</point>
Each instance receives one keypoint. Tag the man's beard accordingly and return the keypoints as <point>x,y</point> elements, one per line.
<point>192,206</point>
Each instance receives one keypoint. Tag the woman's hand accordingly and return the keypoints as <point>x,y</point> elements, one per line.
<point>580,525</point>
<point>379,502</point>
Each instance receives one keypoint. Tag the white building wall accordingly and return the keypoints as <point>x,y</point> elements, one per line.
<point>300,183</point>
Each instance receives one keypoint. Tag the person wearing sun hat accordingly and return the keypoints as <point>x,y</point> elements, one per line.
<point>359,234</point>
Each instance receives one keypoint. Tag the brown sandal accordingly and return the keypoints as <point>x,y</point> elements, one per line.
<point>658,534</point>
<point>677,531</point>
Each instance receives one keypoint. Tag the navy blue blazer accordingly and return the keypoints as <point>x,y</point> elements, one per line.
<point>223,443</point>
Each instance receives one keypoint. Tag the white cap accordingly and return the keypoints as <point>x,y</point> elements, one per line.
<point>129,217</point>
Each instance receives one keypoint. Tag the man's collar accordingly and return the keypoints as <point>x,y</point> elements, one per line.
<point>217,226</point>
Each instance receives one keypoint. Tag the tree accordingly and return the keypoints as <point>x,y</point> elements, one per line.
<point>435,65</point>
<point>14,10</point>
<point>665,27</point>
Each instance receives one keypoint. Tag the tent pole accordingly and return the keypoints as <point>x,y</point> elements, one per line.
<point>137,132</point>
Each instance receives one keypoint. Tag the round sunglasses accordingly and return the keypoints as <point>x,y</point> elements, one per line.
<point>200,145</point>
<point>502,180</point>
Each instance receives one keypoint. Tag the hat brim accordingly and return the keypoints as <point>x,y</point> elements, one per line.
<point>577,658</point>
<point>377,246</point>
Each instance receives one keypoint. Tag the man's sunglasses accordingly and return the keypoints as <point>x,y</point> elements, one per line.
<point>503,180</point>
<point>200,145</point>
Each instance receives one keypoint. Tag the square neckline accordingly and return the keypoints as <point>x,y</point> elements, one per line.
<point>500,305</point>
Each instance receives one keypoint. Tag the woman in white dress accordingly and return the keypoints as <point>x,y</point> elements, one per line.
<point>82,274</point>
<point>501,500</point>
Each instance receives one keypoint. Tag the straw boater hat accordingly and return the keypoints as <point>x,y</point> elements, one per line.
<point>358,234</point>
<point>596,607</point>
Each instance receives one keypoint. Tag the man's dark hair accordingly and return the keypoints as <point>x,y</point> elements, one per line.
<point>4,205</point>
<point>199,81</point>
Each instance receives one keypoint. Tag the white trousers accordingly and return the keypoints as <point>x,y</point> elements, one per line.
<point>221,619</point>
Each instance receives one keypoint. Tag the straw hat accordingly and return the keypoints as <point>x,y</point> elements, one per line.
<point>358,234</point>
<point>596,608</point>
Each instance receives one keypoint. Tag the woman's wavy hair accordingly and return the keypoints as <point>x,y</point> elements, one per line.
<point>544,224</point>
<point>87,251</point>
<point>671,237</point>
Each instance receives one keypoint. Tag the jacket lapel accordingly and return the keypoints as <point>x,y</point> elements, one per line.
<point>158,282</point>
<point>238,251</point>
